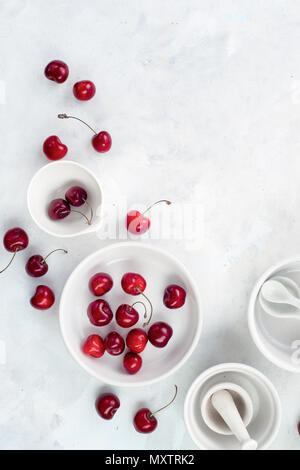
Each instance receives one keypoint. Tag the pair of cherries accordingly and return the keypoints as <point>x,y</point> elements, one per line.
<point>60,208</point>
<point>15,240</point>
<point>53,148</point>
<point>144,420</point>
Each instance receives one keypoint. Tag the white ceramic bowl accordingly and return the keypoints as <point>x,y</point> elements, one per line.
<point>277,338</point>
<point>51,182</point>
<point>266,417</point>
<point>159,269</point>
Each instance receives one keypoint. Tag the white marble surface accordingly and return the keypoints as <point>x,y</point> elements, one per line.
<point>203,103</point>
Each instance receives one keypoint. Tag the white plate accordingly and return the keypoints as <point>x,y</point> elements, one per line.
<point>159,269</point>
<point>51,182</point>
<point>266,417</point>
<point>277,338</point>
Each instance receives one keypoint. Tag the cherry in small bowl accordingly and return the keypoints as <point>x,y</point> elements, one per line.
<point>99,312</point>
<point>57,71</point>
<point>100,284</point>
<point>59,209</point>
<point>114,343</point>
<point>107,405</point>
<point>174,296</point>
<point>94,346</point>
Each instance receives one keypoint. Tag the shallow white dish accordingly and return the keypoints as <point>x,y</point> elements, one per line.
<point>159,269</point>
<point>266,417</point>
<point>51,182</point>
<point>277,338</point>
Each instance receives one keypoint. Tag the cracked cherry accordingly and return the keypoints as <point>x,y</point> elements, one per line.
<point>160,334</point>
<point>101,141</point>
<point>84,90</point>
<point>133,284</point>
<point>132,362</point>
<point>137,223</point>
<point>114,343</point>
<point>107,405</point>
<point>14,240</point>
<point>136,340</point>
<point>43,298</point>
<point>94,346</point>
<point>100,284</point>
<point>58,209</point>
<point>174,296</point>
<point>126,316</point>
<point>36,266</point>
<point>76,196</point>
<point>145,421</point>
<point>99,313</point>
<point>54,149</point>
<point>57,71</point>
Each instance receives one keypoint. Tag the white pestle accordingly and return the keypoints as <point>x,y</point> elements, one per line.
<point>224,404</point>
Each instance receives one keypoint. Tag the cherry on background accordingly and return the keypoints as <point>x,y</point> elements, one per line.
<point>94,346</point>
<point>136,221</point>
<point>132,362</point>
<point>14,240</point>
<point>57,71</point>
<point>37,266</point>
<point>107,405</point>
<point>54,149</point>
<point>100,284</point>
<point>43,298</point>
<point>174,296</point>
<point>99,312</point>
<point>84,90</point>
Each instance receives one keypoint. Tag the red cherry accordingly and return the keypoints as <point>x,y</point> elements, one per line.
<point>107,405</point>
<point>15,239</point>
<point>54,149</point>
<point>133,283</point>
<point>137,223</point>
<point>145,421</point>
<point>94,346</point>
<point>114,343</point>
<point>36,266</point>
<point>100,284</point>
<point>99,313</point>
<point>76,196</point>
<point>102,142</point>
<point>84,90</point>
<point>126,316</point>
<point>159,334</point>
<point>299,427</point>
<point>136,340</point>
<point>132,362</point>
<point>43,298</point>
<point>57,71</point>
<point>58,209</point>
<point>174,296</point>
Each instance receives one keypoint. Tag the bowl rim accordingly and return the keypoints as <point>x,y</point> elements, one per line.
<point>186,273</point>
<point>252,320</point>
<point>211,371</point>
<point>86,230</point>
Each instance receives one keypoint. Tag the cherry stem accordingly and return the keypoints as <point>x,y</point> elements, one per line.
<point>139,302</point>
<point>91,209</point>
<point>151,307</point>
<point>10,261</point>
<point>65,116</point>
<point>166,406</point>
<point>58,249</point>
<point>157,202</point>
<point>89,221</point>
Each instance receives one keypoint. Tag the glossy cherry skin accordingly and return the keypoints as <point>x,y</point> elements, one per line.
<point>99,313</point>
<point>126,316</point>
<point>132,362</point>
<point>94,346</point>
<point>15,239</point>
<point>54,149</point>
<point>136,340</point>
<point>36,266</point>
<point>102,142</point>
<point>144,422</point>
<point>160,334</point>
<point>57,71</point>
<point>43,298</point>
<point>174,296</point>
<point>114,343</point>
<point>100,284</point>
<point>84,90</point>
<point>107,405</point>
<point>133,283</point>
<point>76,196</point>
<point>137,223</point>
<point>58,209</point>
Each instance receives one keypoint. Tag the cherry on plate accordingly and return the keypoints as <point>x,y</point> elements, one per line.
<point>99,313</point>
<point>94,346</point>
<point>174,296</point>
<point>57,71</point>
<point>37,266</point>
<point>126,316</point>
<point>84,90</point>
<point>114,343</point>
<point>43,298</point>
<point>132,362</point>
<point>107,405</point>
<point>133,283</point>
<point>160,334</point>
<point>100,284</point>
<point>137,223</point>
<point>14,240</point>
<point>136,340</point>
<point>54,149</point>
